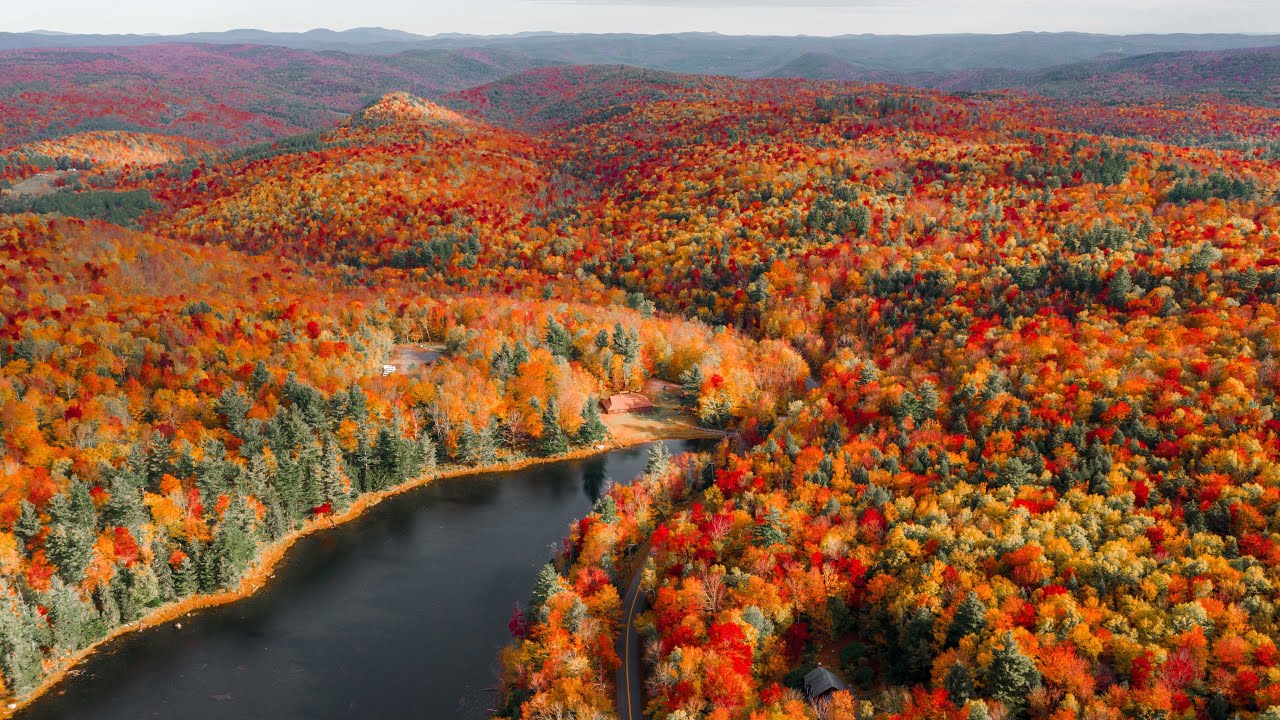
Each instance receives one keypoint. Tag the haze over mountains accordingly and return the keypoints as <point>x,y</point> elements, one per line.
<point>247,86</point>
<point>744,56</point>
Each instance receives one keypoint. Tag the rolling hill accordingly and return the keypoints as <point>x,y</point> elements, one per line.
<point>1035,474</point>
<point>225,94</point>
<point>1249,76</point>
<point>711,53</point>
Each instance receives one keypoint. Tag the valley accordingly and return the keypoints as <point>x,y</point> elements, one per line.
<point>973,373</point>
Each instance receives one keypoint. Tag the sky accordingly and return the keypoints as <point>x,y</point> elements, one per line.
<point>746,17</point>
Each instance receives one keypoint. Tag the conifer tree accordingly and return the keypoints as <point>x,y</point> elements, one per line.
<point>20,654</point>
<point>185,581</point>
<point>593,429</point>
<point>69,543</point>
<point>261,376</point>
<point>233,406</point>
<point>970,618</point>
<point>916,645</point>
<point>959,683</point>
<point>233,546</point>
<point>557,339</point>
<point>553,440</point>
<point>1011,675</point>
<point>547,584</point>
<point>28,524</point>
<point>428,455</point>
<point>334,489</point>
<point>772,531</point>
<point>659,459</point>
<point>68,616</point>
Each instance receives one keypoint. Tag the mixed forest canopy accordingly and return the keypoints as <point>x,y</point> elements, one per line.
<point>995,374</point>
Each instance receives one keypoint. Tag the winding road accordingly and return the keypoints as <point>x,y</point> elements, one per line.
<point>630,689</point>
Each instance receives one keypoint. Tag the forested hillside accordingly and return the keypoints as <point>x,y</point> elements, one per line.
<point>224,94</point>
<point>1032,475</point>
<point>168,410</point>
<point>1249,76</point>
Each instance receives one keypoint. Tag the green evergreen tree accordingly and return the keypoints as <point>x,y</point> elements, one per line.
<point>468,442</point>
<point>593,429</point>
<point>363,464</point>
<point>1014,474</point>
<point>261,376</point>
<point>1012,675</point>
<point>557,339</point>
<point>20,655</point>
<point>428,454</point>
<point>970,618</point>
<point>185,582</point>
<point>1218,707</point>
<point>659,459</point>
<point>28,524</point>
<point>391,458</point>
<point>68,616</point>
<point>108,609</point>
<point>1120,288</point>
<point>692,380</point>
<point>69,543</point>
<point>959,683</point>
<point>162,572</point>
<point>334,488</point>
<point>520,355</point>
<point>607,509</point>
<point>234,545</point>
<point>487,444</point>
<point>547,584</point>
<point>928,400</point>
<point>626,343</point>
<point>553,441</point>
<point>478,448</point>
<point>915,648</point>
<point>233,406</point>
<point>772,530</point>
<point>138,591</point>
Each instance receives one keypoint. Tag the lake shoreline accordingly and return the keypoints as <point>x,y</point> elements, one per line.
<point>257,576</point>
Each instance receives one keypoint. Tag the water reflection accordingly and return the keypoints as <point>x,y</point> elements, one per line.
<point>593,478</point>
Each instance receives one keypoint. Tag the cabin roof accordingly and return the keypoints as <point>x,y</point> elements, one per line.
<point>623,402</point>
<point>820,681</point>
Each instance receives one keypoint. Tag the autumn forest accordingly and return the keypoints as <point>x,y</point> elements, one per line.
<point>989,378</point>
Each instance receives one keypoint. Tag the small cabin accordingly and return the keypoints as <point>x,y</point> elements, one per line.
<point>388,369</point>
<point>821,682</point>
<point>626,403</point>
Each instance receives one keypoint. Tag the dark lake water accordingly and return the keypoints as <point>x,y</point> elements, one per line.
<point>399,613</point>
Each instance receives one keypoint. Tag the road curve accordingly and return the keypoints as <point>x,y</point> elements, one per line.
<point>630,689</point>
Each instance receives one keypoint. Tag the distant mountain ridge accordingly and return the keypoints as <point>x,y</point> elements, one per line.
<point>223,94</point>
<point>1248,75</point>
<point>709,53</point>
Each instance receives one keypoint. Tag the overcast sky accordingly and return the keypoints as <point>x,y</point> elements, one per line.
<point>781,17</point>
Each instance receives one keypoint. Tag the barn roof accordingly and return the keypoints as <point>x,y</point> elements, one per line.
<point>623,402</point>
<point>820,681</point>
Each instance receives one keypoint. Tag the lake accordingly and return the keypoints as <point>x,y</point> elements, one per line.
<point>399,613</point>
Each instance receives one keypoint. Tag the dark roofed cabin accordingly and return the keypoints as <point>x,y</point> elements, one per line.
<point>626,403</point>
<point>821,682</point>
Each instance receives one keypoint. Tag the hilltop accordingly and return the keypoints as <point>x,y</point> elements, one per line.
<point>224,94</point>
